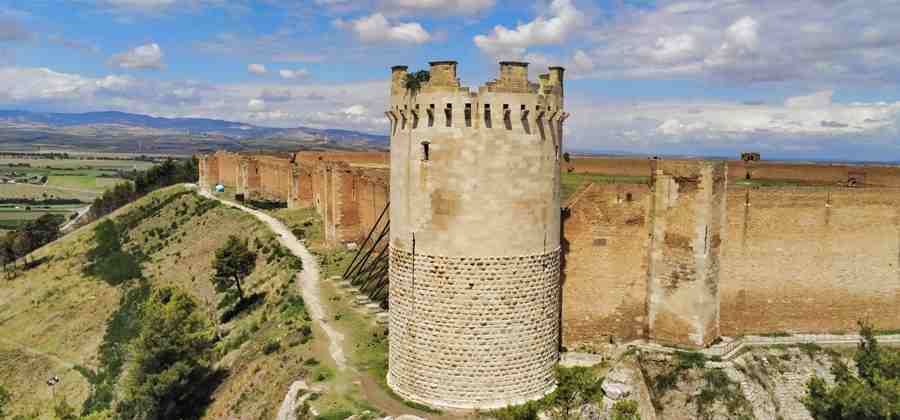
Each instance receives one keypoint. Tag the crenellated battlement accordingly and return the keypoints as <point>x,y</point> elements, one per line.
<point>510,102</point>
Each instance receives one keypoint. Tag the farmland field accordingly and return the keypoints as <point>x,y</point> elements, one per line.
<point>79,181</point>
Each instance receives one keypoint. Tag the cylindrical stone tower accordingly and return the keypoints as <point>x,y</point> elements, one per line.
<point>475,227</point>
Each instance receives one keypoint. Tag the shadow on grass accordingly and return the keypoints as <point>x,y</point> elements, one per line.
<point>247,304</point>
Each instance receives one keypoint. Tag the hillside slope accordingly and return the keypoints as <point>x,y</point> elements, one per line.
<point>64,318</point>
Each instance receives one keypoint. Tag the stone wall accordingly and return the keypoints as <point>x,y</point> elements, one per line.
<point>818,173</point>
<point>229,169</point>
<point>683,277</point>
<point>810,260</point>
<point>274,177</point>
<point>473,332</point>
<point>606,249</point>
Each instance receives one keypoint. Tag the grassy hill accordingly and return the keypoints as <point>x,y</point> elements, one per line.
<point>73,317</point>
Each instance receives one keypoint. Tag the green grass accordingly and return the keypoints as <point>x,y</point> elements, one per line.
<point>772,183</point>
<point>571,182</point>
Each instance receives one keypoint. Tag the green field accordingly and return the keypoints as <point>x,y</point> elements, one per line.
<point>571,182</point>
<point>41,179</point>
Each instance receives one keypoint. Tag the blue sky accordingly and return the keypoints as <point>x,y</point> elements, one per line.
<point>805,78</point>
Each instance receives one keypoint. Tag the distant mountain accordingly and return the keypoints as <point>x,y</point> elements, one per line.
<point>123,132</point>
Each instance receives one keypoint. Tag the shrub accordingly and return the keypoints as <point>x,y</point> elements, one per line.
<point>271,346</point>
<point>625,410</point>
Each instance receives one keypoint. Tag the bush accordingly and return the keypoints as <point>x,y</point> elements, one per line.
<point>873,393</point>
<point>271,346</point>
<point>625,410</point>
<point>527,411</point>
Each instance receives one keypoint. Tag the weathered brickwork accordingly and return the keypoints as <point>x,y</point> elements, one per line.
<point>475,227</point>
<point>688,214</point>
<point>606,243</point>
<point>473,332</point>
<point>810,260</point>
<point>819,173</point>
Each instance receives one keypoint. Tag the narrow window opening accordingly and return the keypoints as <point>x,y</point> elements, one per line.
<point>448,114</point>
<point>629,198</point>
<point>507,121</point>
<point>431,115</point>
<point>415,121</point>
<point>487,115</point>
<point>426,152</point>
<point>403,120</point>
<point>526,125</point>
<point>540,124</point>
<point>468,115</point>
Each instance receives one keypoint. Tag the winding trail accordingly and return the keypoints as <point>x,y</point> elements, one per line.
<point>308,278</point>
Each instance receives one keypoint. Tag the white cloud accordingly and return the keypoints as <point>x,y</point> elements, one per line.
<point>257,69</point>
<point>747,41</point>
<point>814,100</point>
<point>811,123</point>
<point>376,28</point>
<point>561,20</point>
<point>293,74</point>
<point>455,7</point>
<point>149,56</point>
<point>256,105</point>
<point>352,106</point>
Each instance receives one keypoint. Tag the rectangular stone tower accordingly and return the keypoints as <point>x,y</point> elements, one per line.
<point>688,211</point>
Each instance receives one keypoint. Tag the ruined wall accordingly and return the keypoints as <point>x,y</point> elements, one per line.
<point>274,177</point>
<point>688,221</point>
<point>810,260</point>
<point>353,158</point>
<point>606,243</point>
<point>229,169</point>
<point>248,177</point>
<point>301,195</point>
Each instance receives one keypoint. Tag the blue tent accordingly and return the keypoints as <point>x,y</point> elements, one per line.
<point>220,188</point>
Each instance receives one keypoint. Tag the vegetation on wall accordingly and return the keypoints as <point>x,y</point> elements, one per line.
<point>870,393</point>
<point>415,80</point>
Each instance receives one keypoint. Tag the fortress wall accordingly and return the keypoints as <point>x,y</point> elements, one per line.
<point>810,260</point>
<point>229,169</point>
<point>363,158</point>
<point>275,177</point>
<point>687,215</point>
<point>373,195</point>
<point>606,237</point>
<point>874,175</point>
<point>301,195</point>
<point>612,166</point>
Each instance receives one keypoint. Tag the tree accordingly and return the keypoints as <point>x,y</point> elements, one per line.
<point>170,359</point>
<point>575,387</point>
<point>874,393</point>
<point>233,263</point>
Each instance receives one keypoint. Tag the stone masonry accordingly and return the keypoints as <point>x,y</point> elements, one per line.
<point>475,224</point>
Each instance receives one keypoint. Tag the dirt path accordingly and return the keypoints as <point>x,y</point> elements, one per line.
<point>308,279</point>
<point>79,214</point>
